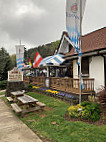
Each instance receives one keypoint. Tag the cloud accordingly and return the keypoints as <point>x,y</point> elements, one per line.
<point>38,22</point>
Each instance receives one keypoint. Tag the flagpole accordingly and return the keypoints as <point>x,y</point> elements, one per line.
<point>80,47</point>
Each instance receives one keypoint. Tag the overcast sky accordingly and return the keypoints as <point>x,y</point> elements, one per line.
<point>38,22</point>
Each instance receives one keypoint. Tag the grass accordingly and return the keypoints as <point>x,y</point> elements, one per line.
<point>62,130</point>
<point>2,93</point>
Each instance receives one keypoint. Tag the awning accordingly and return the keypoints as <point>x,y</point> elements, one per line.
<point>52,60</point>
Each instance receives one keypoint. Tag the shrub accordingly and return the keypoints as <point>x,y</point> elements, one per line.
<point>3,84</point>
<point>86,111</point>
<point>92,111</point>
<point>75,111</point>
<point>29,87</point>
<point>101,96</point>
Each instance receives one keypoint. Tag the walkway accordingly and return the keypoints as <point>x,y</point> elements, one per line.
<point>12,129</point>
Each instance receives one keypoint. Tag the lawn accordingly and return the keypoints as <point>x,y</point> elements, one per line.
<point>50,123</point>
<point>2,93</point>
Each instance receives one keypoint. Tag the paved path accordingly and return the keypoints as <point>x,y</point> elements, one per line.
<point>12,129</point>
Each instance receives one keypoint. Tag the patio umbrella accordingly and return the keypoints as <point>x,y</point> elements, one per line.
<point>52,60</point>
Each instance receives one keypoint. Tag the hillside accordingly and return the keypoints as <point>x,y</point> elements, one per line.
<point>44,50</point>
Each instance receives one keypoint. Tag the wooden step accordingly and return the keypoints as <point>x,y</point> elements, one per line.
<point>16,108</point>
<point>41,105</point>
<point>9,99</point>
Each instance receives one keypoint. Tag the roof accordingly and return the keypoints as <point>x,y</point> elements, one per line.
<point>93,41</point>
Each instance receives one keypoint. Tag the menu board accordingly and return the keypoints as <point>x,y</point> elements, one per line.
<point>15,75</point>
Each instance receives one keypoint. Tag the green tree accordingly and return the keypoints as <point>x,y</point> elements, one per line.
<point>5,64</point>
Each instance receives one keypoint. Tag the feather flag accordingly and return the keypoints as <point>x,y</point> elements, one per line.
<point>30,62</point>
<point>20,56</point>
<point>37,60</point>
<point>73,21</point>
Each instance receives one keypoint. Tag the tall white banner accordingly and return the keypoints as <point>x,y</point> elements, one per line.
<point>20,56</point>
<point>73,20</point>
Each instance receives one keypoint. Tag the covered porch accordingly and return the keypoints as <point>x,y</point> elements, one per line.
<point>64,84</point>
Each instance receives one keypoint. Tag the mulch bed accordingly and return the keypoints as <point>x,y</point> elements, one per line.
<point>99,122</point>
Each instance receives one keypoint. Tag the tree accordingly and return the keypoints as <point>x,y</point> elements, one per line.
<point>5,64</point>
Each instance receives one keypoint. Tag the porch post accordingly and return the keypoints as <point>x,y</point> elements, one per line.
<point>47,71</point>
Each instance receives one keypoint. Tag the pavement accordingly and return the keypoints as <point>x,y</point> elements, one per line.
<point>12,129</point>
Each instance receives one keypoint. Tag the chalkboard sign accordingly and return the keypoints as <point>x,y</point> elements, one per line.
<point>15,75</point>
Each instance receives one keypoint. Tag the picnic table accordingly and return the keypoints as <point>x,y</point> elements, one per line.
<point>27,102</point>
<point>16,94</point>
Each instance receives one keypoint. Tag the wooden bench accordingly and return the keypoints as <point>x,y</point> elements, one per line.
<point>9,99</point>
<point>16,108</point>
<point>41,105</point>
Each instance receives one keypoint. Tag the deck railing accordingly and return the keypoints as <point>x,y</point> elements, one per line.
<point>63,84</point>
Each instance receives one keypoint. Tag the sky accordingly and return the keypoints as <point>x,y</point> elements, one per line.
<point>37,22</point>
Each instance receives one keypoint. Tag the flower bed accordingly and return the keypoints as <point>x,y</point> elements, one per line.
<point>57,94</point>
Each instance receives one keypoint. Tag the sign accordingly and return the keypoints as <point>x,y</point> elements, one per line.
<point>15,75</point>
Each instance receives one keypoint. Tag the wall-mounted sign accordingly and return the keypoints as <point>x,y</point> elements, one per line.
<point>15,75</point>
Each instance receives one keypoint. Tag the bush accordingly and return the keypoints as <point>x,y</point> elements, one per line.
<point>75,111</point>
<point>86,111</point>
<point>3,84</point>
<point>29,87</point>
<point>91,111</point>
<point>101,97</point>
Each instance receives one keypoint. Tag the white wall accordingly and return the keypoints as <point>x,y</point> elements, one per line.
<point>96,71</point>
<point>75,69</point>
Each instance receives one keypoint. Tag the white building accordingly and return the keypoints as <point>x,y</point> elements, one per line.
<point>93,56</point>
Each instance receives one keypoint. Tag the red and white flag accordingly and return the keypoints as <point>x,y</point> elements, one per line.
<point>37,60</point>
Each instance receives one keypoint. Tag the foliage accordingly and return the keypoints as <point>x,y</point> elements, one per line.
<point>5,64</point>
<point>44,50</point>
<point>87,111</point>
<point>28,87</point>
<point>102,97</point>
<point>13,59</point>
<point>3,84</point>
<point>92,111</point>
<point>62,131</point>
<point>75,111</point>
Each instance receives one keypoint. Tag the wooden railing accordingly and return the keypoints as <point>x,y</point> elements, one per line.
<point>38,81</point>
<point>63,84</point>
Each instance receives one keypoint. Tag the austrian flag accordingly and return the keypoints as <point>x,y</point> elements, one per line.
<point>37,60</point>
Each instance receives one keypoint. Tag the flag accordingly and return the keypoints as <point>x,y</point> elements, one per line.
<point>30,62</point>
<point>81,82</point>
<point>20,56</point>
<point>73,21</point>
<point>37,60</point>
<point>24,65</point>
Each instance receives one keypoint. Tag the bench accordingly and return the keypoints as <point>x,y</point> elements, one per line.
<point>41,105</point>
<point>16,108</point>
<point>9,99</point>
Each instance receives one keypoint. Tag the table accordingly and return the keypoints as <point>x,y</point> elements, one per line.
<point>16,94</point>
<point>26,101</point>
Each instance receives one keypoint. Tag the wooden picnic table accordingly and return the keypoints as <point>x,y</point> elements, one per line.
<point>16,94</point>
<point>27,102</point>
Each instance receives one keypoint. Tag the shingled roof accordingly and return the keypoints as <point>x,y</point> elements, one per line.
<point>93,41</point>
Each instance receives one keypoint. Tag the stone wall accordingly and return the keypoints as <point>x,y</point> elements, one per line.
<point>14,86</point>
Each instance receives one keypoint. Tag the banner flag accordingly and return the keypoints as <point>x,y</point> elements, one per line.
<point>30,62</point>
<point>20,56</point>
<point>73,21</point>
<point>37,60</point>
